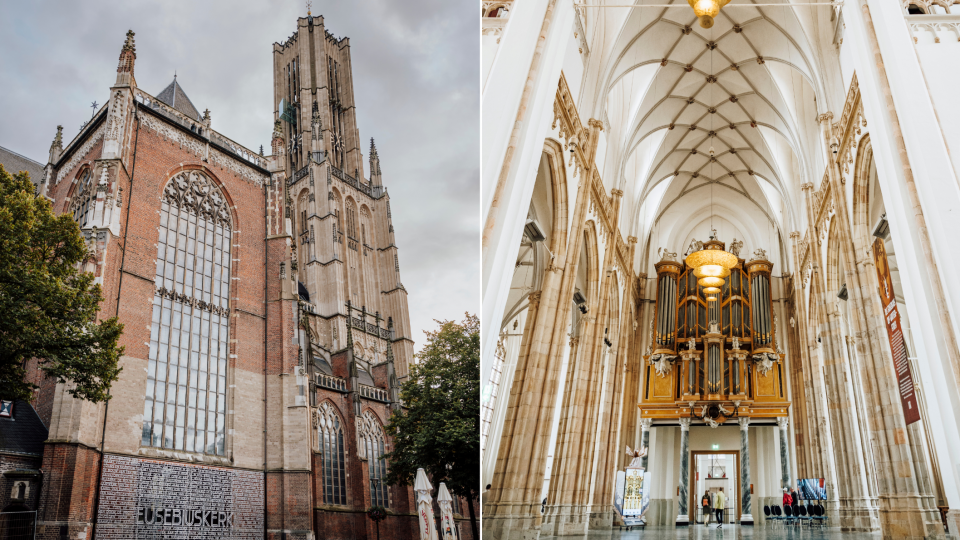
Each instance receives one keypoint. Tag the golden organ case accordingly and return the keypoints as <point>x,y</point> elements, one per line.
<point>714,359</point>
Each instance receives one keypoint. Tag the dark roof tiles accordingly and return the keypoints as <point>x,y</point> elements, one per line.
<point>14,163</point>
<point>174,96</point>
<point>24,432</point>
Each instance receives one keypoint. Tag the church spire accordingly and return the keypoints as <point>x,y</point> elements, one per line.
<point>128,56</point>
<point>375,178</point>
<point>56,147</point>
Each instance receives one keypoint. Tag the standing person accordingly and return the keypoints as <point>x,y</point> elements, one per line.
<point>787,498</point>
<point>719,501</point>
<point>705,502</point>
<point>796,499</point>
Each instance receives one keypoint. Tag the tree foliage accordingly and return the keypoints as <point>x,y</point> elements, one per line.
<point>439,427</point>
<point>48,306</point>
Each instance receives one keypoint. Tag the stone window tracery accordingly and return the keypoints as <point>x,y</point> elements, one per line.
<point>84,199</point>
<point>351,222</point>
<point>371,445</point>
<point>186,394</point>
<point>330,435</point>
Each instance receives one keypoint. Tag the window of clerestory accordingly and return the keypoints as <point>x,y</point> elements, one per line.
<point>185,402</point>
<point>84,200</point>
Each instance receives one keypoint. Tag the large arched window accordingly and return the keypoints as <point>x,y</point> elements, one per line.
<point>185,401</point>
<point>372,444</point>
<point>330,434</point>
<point>84,199</point>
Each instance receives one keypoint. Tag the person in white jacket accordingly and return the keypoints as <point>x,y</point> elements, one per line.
<point>719,503</point>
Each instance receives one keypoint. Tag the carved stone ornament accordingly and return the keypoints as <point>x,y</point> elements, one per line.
<point>213,156</point>
<point>662,364</point>
<point>764,362</point>
<point>695,245</point>
<point>667,255</point>
<point>736,246</point>
<point>736,343</point>
<point>759,254</point>
<point>368,428</point>
<point>194,192</point>
<point>80,154</point>
<point>326,418</point>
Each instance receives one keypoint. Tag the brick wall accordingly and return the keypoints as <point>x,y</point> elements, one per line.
<point>10,462</point>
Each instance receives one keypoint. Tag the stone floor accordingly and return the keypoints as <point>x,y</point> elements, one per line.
<point>728,532</point>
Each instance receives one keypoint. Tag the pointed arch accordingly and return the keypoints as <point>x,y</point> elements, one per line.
<point>186,391</point>
<point>371,445</point>
<point>330,443</point>
<point>83,197</point>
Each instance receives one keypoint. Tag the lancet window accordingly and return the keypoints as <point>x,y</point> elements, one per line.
<point>351,222</point>
<point>330,434</point>
<point>84,200</point>
<point>186,394</point>
<point>372,444</point>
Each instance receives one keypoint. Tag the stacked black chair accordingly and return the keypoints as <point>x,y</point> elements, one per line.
<point>820,517</point>
<point>789,518</point>
<point>804,518</point>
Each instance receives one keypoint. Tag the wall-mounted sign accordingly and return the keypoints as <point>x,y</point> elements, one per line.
<point>908,395</point>
<point>152,499</point>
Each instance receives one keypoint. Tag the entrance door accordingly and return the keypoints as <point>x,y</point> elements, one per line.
<point>711,471</point>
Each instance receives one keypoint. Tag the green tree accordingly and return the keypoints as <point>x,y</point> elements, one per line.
<point>48,306</point>
<point>438,427</point>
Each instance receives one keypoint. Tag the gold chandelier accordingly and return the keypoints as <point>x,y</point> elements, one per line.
<point>706,10</point>
<point>711,264</point>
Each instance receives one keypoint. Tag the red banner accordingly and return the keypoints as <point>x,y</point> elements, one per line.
<point>908,395</point>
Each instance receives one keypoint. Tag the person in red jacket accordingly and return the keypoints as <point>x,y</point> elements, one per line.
<point>787,499</point>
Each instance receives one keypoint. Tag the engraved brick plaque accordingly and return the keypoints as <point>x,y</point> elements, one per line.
<point>149,499</point>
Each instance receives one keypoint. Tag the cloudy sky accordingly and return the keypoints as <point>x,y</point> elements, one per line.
<point>416,73</point>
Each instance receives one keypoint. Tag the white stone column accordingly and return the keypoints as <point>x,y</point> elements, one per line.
<point>645,438</point>
<point>746,518</point>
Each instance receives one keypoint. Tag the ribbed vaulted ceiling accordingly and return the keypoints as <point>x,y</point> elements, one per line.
<point>745,87</point>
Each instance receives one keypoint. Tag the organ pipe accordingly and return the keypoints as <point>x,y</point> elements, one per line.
<point>666,326</point>
<point>762,306</point>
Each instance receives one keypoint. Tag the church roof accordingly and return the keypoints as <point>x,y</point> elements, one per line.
<point>23,432</point>
<point>14,163</point>
<point>174,96</point>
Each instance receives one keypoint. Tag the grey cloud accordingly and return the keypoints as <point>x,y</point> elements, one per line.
<point>416,72</point>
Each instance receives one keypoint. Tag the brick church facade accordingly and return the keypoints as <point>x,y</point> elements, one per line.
<point>266,325</point>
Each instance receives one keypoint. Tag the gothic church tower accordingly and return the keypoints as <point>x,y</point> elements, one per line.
<point>344,260</point>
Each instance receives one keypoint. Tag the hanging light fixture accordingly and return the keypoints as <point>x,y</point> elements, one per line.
<point>711,299</point>
<point>710,282</point>
<point>712,255</point>
<point>711,270</point>
<point>711,265</point>
<point>706,10</point>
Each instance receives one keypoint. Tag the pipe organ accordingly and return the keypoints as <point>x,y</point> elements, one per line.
<point>717,358</point>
